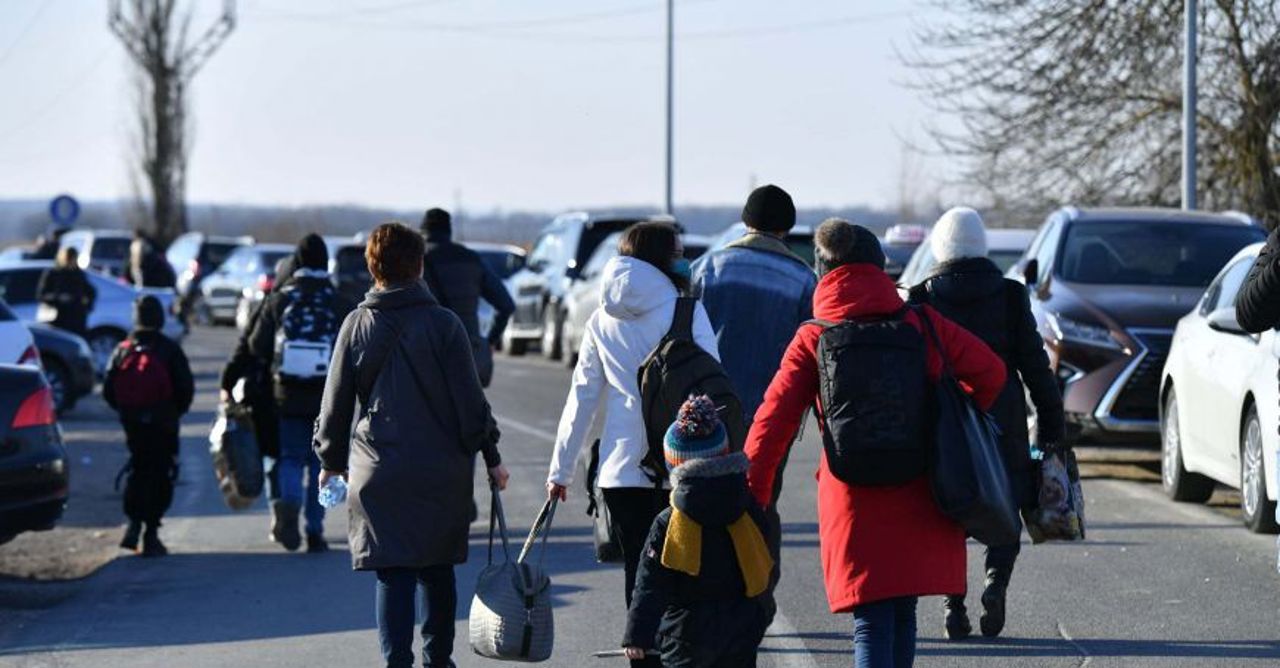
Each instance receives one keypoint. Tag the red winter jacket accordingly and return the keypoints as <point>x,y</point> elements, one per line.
<point>877,542</point>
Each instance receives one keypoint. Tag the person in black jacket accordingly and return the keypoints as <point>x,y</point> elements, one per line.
<point>701,592</point>
<point>148,267</point>
<point>293,339</point>
<point>459,279</point>
<point>149,384</point>
<point>969,289</point>
<point>1258,305</point>
<point>67,291</point>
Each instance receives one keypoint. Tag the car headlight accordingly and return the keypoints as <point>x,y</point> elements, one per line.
<point>1075,331</point>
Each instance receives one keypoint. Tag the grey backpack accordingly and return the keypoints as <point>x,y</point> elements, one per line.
<point>511,617</point>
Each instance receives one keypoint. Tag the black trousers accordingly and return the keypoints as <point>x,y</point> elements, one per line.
<point>399,592</point>
<point>148,490</point>
<point>632,510</point>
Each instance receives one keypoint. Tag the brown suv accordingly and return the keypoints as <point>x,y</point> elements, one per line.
<point>1108,286</point>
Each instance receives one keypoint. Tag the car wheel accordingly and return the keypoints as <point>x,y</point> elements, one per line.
<point>55,373</point>
<point>1258,512</point>
<point>1179,483</point>
<point>103,343</point>
<point>552,332</point>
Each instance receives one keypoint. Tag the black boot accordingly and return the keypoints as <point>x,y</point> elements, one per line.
<point>151,545</point>
<point>956,620</point>
<point>316,543</point>
<point>284,525</point>
<point>131,536</point>
<point>993,599</point>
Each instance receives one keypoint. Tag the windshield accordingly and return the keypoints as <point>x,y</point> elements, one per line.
<point>1150,252</point>
<point>215,253</point>
<point>271,258</point>
<point>110,248</point>
<point>501,263</point>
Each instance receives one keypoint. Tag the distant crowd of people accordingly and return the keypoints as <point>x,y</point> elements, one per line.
<point>389,394</point>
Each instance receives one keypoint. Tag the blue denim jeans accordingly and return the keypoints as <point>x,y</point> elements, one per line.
<point>297,460</point>
<point>399,590</point>
<point>884,634</point>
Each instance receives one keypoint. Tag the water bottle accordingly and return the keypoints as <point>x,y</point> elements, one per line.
<point>334,492</point>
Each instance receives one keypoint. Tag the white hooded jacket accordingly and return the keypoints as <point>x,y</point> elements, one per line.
<point>637,303</point>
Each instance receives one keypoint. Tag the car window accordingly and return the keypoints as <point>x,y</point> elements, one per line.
<point>502,263</point>
<point>353,269</point>
<point>271,258</point>
<point>1150,252</point>
<point>19,286</point>
<point>1230,283</point>
<point>595,235</point>
<point>214,253</point>
<point>1048,249</point>
<point>607,251</point>
<point>238,262</point>
<point>545,251</point>
<point>110,249</point>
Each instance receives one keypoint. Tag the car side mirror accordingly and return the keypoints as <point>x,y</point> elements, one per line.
<point>1031,272</point>
<point>1224,320</point>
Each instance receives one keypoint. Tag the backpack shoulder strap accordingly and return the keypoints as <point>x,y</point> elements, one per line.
<point>682,320</point>
<point>818,322</point>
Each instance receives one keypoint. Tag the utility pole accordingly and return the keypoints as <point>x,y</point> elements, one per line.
<point>1189,107</point>
<point>669,208</point>
<point>156,36</point>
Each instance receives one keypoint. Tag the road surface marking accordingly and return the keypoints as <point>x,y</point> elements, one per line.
<point>1084,653</point>
<point>789,648</point>
<point>526,429</point>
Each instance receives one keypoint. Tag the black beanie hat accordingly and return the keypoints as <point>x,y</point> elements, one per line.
<point>769,209</point>
<point>840,242</point>
<point>148,313</point>
<point>311,253</point>
<point>437,223</point>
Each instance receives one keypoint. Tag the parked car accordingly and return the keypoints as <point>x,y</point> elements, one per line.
<point>900,242</point>
<point>799,240</point>
<point>1107,288</point>
<point>111,318</point>
<point>584,297</point>
<point>68,364</point>
<point>34,482</point>
<point>348,268</point>
<point>105,251</point>
<point>695,245</point>
<point>16,343</point>
<point>1004,248</point>
<point>15,254</point>
<point>195,255</point>
<point>1218,392</point>
<point>504,260</point>
<point>555,265</point>
<point>248,269</point>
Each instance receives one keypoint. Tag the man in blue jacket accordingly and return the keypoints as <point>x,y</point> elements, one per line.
<point>757,293</point>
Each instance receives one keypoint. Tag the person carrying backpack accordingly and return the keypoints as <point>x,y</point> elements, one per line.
<point>638,303</point>
<point>149,384</point>
<point>871,370</point>
<point>293,337</point>
<point>460,279</point>
<point>971,290</point>
<point>66,289</point>
<point>704,574</point>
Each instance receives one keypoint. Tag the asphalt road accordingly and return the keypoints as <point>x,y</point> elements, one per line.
<point>1156,584</point>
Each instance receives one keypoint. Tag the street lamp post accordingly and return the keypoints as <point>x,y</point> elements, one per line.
<point>669,209</point>
<point>1189,108</point>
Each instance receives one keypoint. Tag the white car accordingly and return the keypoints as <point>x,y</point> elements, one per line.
<point>1220,404</point>
<point>111,319</point>
<point>17,346</point>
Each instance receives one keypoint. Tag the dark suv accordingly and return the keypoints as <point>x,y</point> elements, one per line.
<point>1108,286</point>
<point>554,264</point>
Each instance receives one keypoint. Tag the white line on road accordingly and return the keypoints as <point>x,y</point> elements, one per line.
<point>526,429</point>
<point>789,647</point>
<point>1084,653</point>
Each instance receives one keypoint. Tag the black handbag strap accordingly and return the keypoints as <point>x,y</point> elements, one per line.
<point>593,472</point>
<point>499,519</point>
<point>541,526</point>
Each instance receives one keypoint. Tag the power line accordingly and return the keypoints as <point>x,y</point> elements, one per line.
<point>23,32</point>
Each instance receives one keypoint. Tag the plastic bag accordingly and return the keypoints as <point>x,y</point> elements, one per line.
<point>1059,514</point>
<point>237,461</point>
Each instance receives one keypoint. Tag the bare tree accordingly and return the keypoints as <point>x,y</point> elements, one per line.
<point>1080,100</point>
<point>158,39</point>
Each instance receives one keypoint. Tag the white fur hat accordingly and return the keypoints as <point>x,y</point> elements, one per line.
<point>959,233</point>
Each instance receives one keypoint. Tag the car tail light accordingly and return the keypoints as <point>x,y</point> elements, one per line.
<point>36,410</point>
<point>266,282</point>
<point>30,357</point>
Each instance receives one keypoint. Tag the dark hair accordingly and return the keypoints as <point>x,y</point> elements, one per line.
<point>394,254</point>
<point>437,223</point>
<point>654,243</point>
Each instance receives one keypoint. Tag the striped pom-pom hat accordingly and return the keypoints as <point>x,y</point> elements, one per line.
<point>697,433</point>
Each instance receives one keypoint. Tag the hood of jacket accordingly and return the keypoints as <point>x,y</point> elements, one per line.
<point>965,281</point>
<point>396,297</point>
<point>713,492</point>
<point>633,288</point>
<point>855,291</point>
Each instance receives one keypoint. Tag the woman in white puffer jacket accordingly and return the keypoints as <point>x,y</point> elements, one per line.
<point>637,302</point>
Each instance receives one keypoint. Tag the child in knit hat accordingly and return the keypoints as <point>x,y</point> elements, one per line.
<point>700,596</point>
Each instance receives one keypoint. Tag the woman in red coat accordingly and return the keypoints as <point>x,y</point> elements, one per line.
<point>882,546</point>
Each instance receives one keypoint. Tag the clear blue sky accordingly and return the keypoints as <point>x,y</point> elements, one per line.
<point>519,105</point>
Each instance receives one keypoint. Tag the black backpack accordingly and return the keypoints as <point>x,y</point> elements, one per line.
<point>677,369</point>
<point>304,341</point>
<point>876,399</point>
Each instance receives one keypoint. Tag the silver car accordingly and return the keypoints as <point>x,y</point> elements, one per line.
<point>246,271</point>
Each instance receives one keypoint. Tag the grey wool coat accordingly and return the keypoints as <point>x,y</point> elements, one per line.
<point>419,419</point>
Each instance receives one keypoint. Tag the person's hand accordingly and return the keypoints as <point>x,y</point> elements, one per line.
<point>555,491</point>
<point>225,396</point>
<point>633,653</point>
<point>498,476</point>
<point>327,475</point>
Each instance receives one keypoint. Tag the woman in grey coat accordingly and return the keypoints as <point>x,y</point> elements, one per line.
<point>421,421</point>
